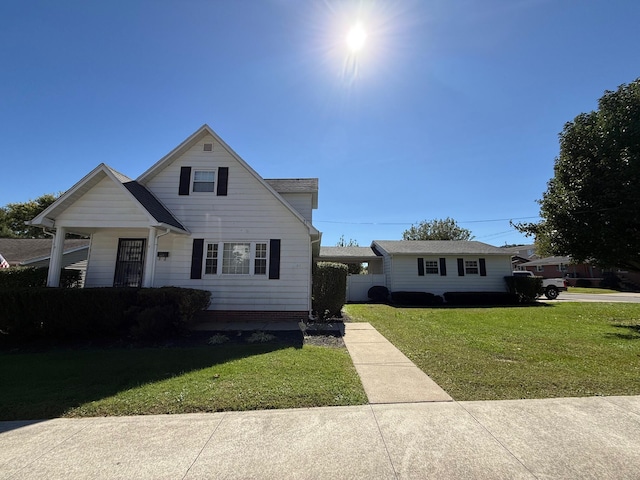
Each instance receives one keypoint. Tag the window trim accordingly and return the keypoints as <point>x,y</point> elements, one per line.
<point>437,266</point>
<point>467,267</point>
<point>192,181</point>
<point>252,258</point>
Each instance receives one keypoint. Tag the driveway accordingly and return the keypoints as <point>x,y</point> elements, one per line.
<point>624,297</point>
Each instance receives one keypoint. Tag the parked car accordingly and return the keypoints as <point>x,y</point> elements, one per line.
<point>551,287</point>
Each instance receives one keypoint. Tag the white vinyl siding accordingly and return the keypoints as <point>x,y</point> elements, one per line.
<point>402,275</point>
<point>302,202</point>
<point>105,205</point>
<point>249,213</point>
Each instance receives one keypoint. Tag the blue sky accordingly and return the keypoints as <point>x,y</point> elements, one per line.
<point>452,108</point>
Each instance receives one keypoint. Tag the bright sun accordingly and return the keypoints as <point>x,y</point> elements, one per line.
<point>356,38</point>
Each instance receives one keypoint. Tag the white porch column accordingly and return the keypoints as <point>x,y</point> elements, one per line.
<point>55,262</point>
<point>150,260</point>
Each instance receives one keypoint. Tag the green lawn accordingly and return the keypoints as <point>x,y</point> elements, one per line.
<point>120,381</point>
<point>569,349</point>
<point>591,290</point>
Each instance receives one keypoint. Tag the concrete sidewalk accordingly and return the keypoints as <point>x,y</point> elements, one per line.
<point>387,375</point>
<point>597,437</point>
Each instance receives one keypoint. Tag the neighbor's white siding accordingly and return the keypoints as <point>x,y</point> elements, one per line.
<point>105,205</point>
<point>248,213</point>
<point>404,275</point>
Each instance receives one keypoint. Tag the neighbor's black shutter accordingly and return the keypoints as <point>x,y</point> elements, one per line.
<point>443,267</point>
<point>185,178</point>
<point>274,259</point>
<point>461,267</point>
<point>223,179</point>
<point>483,267</point>
<point>196,257</point>
<point>421,267</point>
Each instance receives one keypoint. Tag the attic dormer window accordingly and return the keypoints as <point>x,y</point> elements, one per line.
<point>203,180</point>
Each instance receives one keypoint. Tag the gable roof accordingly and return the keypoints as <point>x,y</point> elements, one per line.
<point>19,250</point>
<point>548,261</point>
<point>193,139</point>
<point>158,214</point>
<point>437,247</point>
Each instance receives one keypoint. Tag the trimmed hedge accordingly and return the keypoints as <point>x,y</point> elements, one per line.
<point>329,289</point>
<point>378,293</point>
<point>58,314</point>
<point>415,298</point>
<point>526,288</point>
<point>481,298</point>
<point>25,277</point>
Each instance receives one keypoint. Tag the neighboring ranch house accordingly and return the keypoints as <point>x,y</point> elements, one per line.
<point>201,217</point>
<point>433,266</point>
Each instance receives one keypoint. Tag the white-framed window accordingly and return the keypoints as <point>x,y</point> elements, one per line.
<point>471,267</point>
<point>236,258</point>
<point>431,267</point>
<point>539,268</point>
<point>203,181</point>
<point>563,267</point>
<point>211,260</point>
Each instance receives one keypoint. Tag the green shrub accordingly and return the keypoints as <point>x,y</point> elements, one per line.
<point>25,277</point>
<point>59,314</point>
<point>329,289</point>
<point>481,298</point>
<point>415,298</point>
<point>526,288</point>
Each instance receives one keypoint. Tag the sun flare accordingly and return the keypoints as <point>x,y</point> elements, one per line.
<point>356,38</point>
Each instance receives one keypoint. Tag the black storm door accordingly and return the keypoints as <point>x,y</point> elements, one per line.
<point>129,262</point>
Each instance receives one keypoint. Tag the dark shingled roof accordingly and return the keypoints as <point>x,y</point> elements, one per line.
<point>152,204</point>
<point>438,247</point>
<point>347,252</point>
<point>16,250</point>
<point>293,185</point>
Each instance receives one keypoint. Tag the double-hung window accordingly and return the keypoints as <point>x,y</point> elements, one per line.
<point>203,180</point>
<point>431,267</point>
<point>471,267</point>
<point>236,258</point>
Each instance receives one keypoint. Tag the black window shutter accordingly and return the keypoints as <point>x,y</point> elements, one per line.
<point>421,267</point>
<point>274,259</point>
<point>223,179</point>
<point>196,257</point>
<point>185,178</point>
<point>461,267</point>
<point>443,267</point>
<point>483,267</point>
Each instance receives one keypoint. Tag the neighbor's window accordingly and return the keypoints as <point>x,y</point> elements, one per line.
<point>260,261</point>
<point>236,258</point>
<point>431,267</point>
<point>211,261</point>
<point>203,180</point>
<point>539,268</point>
<point>563,267</point>
<point>471,267</point>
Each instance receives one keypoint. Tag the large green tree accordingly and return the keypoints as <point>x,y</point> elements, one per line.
<point>437,229</point>
<point>591,208</point>
<point>13,216</point>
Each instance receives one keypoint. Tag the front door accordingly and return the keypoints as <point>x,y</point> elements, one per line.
<point>129,262</point>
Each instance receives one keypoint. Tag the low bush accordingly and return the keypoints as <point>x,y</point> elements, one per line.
<point>481,298</point>
<point>415,298</point>
<point>583,283</point>
<point>58,314</point>
<point>32,277</point>
<point>329,289</point>
<point>527,289</point>
<point>378,293</point>
<point>610,280</point>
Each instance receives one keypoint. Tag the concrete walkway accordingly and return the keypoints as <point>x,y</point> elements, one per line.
<point>387,375</point>
<point>571,438</point>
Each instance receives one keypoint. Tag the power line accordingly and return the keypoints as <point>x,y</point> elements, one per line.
<point>341,222</point>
